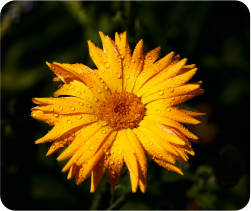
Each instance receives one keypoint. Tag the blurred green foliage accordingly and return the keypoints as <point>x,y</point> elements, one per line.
<point>213,35</point>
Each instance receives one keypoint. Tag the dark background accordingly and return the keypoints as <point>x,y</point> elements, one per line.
<point>213,35</point>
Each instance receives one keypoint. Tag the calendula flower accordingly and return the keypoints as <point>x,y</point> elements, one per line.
<point>115,114</point>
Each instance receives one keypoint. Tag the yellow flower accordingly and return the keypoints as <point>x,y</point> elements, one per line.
<point>120,111</point>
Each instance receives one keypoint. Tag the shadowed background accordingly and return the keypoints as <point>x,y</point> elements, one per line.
<point>213,35</point>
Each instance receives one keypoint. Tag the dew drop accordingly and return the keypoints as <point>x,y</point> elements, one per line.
<point>51,109</point>
<point>92,148</point>
<point>105,87</point>
<point>98,91</point>
<point>103,131</point>
<point>149,57</point>
<point>107,65</point>
<point>168,109</point>
<point>118,75</point>
<point>72,108</point>
<point>127,76</point>
<point>82,90</point>
<point>95,99</point>
<point>133,60</point>
<point>80,103</point>
<point>97,140</point>
<point>158,111</point>
<point>119,152</point>
<point>170,89</point>
<point>69,122</point>
<point>161,92</point>
<point>61,108</point>
<point>53,146</point>
<point>72,86</point>
<point>79,117</point>
<point>111,162</point>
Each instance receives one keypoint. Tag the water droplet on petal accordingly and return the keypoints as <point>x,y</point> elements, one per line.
<point>149,57</point>
<point>118,75</point>
<point>103,131</point>
<point>119,152</point>
<point>51,109</point>
<point>72,86</point>
<point>127,76</point>
<point>72,108</point>
<point>161,92</point>
<point>170,89</point>
<point>69,122</point>
<point>61,108</point>
<point>168,109</point>
<point>79,117</point>
<point>158,111</point>
<point>111,162</point>
<point>92,148</point>
<point>105,87</point>
<point>133,60</point>
<point>107,65</point>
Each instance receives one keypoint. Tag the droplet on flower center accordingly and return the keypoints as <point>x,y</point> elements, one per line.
<point>122,110</point>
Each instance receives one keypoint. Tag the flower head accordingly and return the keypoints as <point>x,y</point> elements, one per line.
<point>115,114</point>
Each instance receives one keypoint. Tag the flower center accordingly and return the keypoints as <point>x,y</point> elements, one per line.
<point>122,110</point>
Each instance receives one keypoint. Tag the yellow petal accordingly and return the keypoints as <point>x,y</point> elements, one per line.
<point>67,106</point>
<point>101,61</point>
<point>187,148</point>
<point>83,137</point>
<point>165,145</point>
<point>168,166</point>
<point>171,113</point>
<point>135,67</point>
<point>172,101</point>
<point>78,89</point>
<point>92,146</point>
<point>49,118</point>
<point>90,78</point>
<point>63,74</point>
<point>152,147</point>
<point>67,125</point>
<point>169,122</point>
<point>72,172</point>
<point>141,158</point>
<point>151,72</point>
<point>117,39</point>
<point>115,64</point>
<point>116,162</point>
<point>130,160</point>
<point>92,162</point>
<point>192,113</point>
<point>162,91</point>
<point>162,132</point>
<point>62,142</point>
<point>98,172</point>
<point>152,55</point>
<point>125,55</point>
